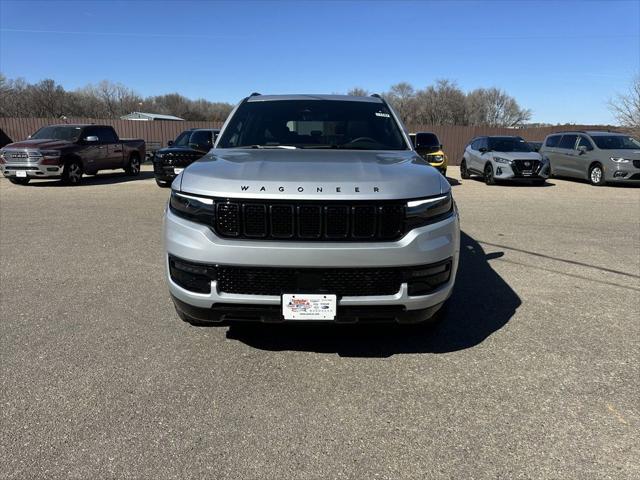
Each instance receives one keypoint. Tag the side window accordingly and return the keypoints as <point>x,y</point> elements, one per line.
<point>585,142</point>
<point>552,141</point>
<point>90,132</point>
<point>484,143</point>
<point>475,145</point>
<point>202,138</point>
<point>568,142</point>
<point>106,135</point>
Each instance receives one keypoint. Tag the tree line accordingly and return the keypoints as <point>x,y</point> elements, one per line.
<point>106,99</point>
<point>443,103</point>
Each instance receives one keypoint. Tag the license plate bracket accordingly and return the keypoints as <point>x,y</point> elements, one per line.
<point>307,306</point>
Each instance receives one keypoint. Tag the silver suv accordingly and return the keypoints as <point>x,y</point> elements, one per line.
<point>503,158</point>
<point>311,208</point>
<point>598,157</point>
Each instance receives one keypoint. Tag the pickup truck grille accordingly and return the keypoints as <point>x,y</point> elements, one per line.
<point>309,220</point>
<point>21,156</point>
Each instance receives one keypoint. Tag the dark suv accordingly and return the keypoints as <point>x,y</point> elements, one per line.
<point>188,147</point>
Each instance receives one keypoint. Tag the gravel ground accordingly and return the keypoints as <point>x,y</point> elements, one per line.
<point>535,373</point>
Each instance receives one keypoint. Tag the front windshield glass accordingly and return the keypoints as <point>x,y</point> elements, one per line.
<point>183,139</point>
<point>508,144</point>
<point>313,124</point>
<point>71,134</point>
<point>616,142</point>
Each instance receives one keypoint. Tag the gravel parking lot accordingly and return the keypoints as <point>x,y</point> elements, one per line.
<point>535,373</point>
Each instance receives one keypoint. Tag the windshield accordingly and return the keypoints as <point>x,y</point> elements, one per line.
<point>313,124</point>
<point>183,139</point>
<point>616,142</point>
<point>70,134</point>
<point>508,144</point>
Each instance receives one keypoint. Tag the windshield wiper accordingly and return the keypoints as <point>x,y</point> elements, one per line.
<point>286,147</point>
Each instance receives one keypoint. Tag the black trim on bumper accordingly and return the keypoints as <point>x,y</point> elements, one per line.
<point>225,313</point>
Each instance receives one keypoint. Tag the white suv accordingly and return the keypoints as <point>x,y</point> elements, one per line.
<point>503,158</point>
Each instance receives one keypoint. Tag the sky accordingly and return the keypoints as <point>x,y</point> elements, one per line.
<point>562,59</point>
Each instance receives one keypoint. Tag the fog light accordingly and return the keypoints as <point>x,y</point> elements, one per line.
<point>425,280</point>
<point>620,174</point>
<point>191,276</point>
<point>499,171</point>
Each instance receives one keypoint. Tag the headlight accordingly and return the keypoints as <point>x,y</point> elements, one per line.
<point>428,210</point>
<point>620,160</point>
<point>502,160</point>
<point>50,153</point>
<point>192,207</point>
<point>436,158</point>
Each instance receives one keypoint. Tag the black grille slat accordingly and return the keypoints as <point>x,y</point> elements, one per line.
<point>282,221</point>
<point>228,219</point>
<point>255,220</point>
<point>364,221</point>
<point>336,221</point>
<point>308,220</point>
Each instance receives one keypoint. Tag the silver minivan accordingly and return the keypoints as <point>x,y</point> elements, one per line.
<point>598,157</point>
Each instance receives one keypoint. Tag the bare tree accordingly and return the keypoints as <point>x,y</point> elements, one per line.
<point>358,92</point>
<point>626,107</point>
<point>495,108</point>
<point>441,104</point>
<point>47,99</point>
<point>401,96</point>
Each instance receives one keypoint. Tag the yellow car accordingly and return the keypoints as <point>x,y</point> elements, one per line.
<point>429,147</point>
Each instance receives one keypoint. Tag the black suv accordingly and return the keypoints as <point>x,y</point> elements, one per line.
<point>188,147</point>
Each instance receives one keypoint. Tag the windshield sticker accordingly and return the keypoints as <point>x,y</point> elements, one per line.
<point>382,114</point>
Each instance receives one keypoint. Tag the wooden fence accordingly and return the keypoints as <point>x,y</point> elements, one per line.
<point>454,138</point>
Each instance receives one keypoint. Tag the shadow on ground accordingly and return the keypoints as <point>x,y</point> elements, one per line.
<point>482,303</point>
<point>92,180</point>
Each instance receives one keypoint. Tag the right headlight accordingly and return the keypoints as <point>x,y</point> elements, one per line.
<point>620,160</point>
<point>502,160</point>
<point>428,210</point>
<point>193,207</point>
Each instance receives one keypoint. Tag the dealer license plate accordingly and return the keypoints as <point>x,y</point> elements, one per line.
<point>21,173</point>
<point>178,171</point>
<point>302,306</point>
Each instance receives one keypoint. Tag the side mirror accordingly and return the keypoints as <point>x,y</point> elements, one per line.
<point>483,150</point>
<point>28,137</point>
<point>582,150</point>
<point>91,139</point>
<point>169,143</point>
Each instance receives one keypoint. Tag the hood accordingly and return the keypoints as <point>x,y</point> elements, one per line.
<point>624,153</point>
<point>313,174</point>
<point>40,143</point>
<point>517,155</point>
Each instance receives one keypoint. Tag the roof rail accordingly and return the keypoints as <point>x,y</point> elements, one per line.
<point>255,94</point>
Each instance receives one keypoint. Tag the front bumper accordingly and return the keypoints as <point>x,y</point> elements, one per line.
<point>422,246</point>
<point>621,172</point>
<point>503,171</point>
<point>33,170</point>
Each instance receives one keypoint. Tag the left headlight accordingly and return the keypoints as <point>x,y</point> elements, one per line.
<point>428,210</point>
<point>502,160</point>
<point>436,158</point>
<point>193,207</point>
<point>620,160</point>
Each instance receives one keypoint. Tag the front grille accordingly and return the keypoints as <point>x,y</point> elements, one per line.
<point>309,220</point>
<point>21,156</point>
<point>526,167</point>
<point>273,281</point>
<point>178,159</point>
<point>339,281</point>
<point>636,163</point>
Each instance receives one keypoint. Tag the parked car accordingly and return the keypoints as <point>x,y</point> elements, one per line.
<point>188,147</point>
<point>535,146</point>
<point>311,208</point>
<point>598,157</point>
<point>429,147</point>
<point>69,151</point>
<point>503,158</point>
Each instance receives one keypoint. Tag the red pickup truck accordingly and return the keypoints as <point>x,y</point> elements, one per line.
<point>69,151</point>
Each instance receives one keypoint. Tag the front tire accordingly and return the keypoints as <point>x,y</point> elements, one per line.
<point>596,175</point>
<point>464,172</point>
<point>72,173</point>
<point>133,166</point>
<point>489,179</point>
<point>19,181</point>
